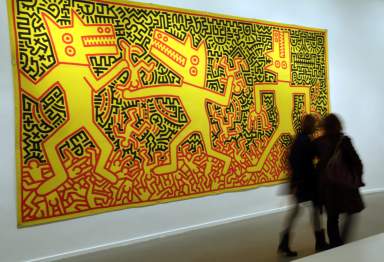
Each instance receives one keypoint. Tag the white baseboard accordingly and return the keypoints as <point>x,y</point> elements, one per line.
<point>372,191</point>
<point>173,232</point>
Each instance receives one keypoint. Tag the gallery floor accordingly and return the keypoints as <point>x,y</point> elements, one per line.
<point>248,240</point>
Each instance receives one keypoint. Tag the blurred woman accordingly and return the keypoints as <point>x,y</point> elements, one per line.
<point>303,185</point>
<point>338,198</point>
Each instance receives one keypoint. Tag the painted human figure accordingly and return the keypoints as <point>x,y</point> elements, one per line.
<point>283,91</point>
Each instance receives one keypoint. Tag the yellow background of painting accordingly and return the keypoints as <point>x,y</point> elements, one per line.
<point>18,80</point>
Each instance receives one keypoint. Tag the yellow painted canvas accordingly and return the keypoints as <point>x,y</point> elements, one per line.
<point>120,104</point>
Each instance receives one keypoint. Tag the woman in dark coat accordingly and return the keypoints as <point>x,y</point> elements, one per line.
<point>303,184</point>
<point>337,198</point>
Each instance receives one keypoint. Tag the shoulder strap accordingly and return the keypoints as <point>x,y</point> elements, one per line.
<point>339,143</point>
<point>336,148</point>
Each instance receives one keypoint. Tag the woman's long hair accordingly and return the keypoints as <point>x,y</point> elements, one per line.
<point>332,125</point>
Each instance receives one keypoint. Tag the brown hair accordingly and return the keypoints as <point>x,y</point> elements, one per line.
<point>332,125</point>
<point>308,124</point>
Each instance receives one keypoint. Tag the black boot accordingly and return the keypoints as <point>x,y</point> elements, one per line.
<point>321,244</point>
<point>284,246</point>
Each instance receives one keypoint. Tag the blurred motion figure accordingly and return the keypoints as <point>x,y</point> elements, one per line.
<point>303,185</point>
<point>340,170</point>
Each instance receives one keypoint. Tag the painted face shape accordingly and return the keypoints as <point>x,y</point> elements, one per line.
<point>281,56</point>
<point>181,56</point>
<point>75,42</point>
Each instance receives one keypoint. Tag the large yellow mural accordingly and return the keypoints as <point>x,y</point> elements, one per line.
<point>120,104</point>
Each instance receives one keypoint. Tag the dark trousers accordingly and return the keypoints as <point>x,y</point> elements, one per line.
<point>293,214</point>
<point>336,236</point>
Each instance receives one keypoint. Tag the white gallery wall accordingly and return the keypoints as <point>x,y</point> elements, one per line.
<point>356,61</point>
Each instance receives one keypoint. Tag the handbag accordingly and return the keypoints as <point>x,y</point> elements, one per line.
<point>338,172</point>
